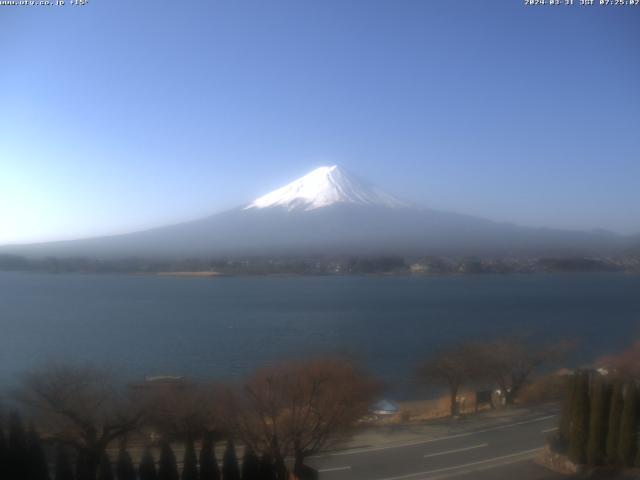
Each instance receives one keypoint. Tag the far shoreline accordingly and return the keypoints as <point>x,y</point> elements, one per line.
<point>210,275</point>
<point>189,274</point>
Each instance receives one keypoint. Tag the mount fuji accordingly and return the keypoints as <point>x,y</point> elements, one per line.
<point>323,187</point>
<point>332,212</point>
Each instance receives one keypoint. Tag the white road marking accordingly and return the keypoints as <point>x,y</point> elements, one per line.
<point>547,430</point>
<point>483,468</point>
<point>335,469</point>
<point>439,439</point>
<point>501,427</point>
<point>400,445</point>
<point>447,452</point>
<point>466,465</point>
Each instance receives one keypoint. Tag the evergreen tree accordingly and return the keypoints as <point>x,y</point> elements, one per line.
<point>280,469</point>
<point>578,434</point>
<point>84,469</point>
<point>38,465</point>
<point>147,467</point>
<point>250,465</point>
<point>124,468</point>
<point>64,471</point>
<point>3,454</point>
<point>596,447</point>
<point>208,463</point>
<point>230,469</point>
<point>628,427</point>
<point>567,409</point>
<point>105,472</point>
<point>190,463</point>
<point>615,415</point>
<point>167,466</point>
<point>17,451</point>
<point>267,470</point>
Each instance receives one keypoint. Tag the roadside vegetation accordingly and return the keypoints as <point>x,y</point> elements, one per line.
<point>506,364</point>
<point>91,426</point>
<point>84,423</point>
<point>598,428</point>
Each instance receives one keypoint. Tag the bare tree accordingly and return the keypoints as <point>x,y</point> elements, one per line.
<point>183,409</point>
<point>451,367</point>
<point>298,408</point>
<point>511,362</point>
<point>82,407</point>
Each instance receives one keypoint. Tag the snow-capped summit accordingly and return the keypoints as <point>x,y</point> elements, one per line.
<point>326,186</point>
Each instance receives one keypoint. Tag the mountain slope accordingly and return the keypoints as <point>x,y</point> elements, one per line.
<point>332,212</point>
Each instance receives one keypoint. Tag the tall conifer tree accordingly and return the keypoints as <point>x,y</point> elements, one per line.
<point>580,419</point>
<point>230,469</point>
<point>147,467</point>
<point>250,465</point>
<point>615,416</point>
<point>3,454</point>
<point>280,469</point>
<point>190,462</point>
<point>208,463</point>
<point>38,465</point>
<point>167,466</point>
<point>105,472</point>
<point>628,427</point>
<point>64,470</point>
<point>596,447</point>
<point>17,450</point>
<point>124,468</point>
<point>267,470</point>
<point>567,408</point>
<point>84,469</point>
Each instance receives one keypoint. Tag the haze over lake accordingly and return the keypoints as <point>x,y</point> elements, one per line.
<point>226,327</point>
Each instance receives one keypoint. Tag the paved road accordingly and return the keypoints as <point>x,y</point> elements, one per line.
<point>492,451</point>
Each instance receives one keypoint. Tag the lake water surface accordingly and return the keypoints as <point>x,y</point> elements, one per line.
<point>225,327</point>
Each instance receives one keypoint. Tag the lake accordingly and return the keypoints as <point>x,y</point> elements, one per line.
<point>225,327</point>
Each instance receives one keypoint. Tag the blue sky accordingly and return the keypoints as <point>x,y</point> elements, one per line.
<point>120,115</point>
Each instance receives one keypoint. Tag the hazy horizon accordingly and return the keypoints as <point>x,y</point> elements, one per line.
<point>124,116</point>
